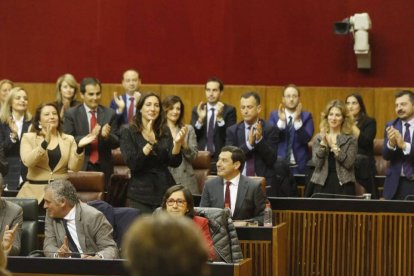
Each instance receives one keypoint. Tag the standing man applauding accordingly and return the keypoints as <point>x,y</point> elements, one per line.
<point>211,119</point>
<point>124,105</point>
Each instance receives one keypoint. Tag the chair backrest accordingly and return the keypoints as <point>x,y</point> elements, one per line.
<point>89,185</point>
<point>201,165</point>
<point>119,217</point>
<point>28,239</point>
<point>380,164</point>
<point>120,167</point>
<point>257,179</point>
<point>223,234</point>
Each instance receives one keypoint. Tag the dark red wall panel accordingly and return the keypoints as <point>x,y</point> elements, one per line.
<point>244,42</point>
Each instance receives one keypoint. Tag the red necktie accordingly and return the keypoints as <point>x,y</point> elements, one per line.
<point>94,156</point>
<point>131,109</point>
<point>227,195</point>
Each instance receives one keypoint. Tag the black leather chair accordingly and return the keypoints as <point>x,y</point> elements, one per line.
<point>30,224</point>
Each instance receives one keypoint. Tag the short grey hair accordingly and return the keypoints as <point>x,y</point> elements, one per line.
<point>63,189</point>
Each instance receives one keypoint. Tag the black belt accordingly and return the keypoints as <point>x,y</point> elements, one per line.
<point>39,181</point>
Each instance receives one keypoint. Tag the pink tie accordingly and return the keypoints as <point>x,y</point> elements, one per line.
<point>131,109</point>
<point>227,195</point>
<point>94,156</point>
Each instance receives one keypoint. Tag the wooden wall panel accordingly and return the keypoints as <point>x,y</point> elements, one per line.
<point>379,101</point>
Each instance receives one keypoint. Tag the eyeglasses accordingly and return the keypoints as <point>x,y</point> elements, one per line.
<point>180,202</point>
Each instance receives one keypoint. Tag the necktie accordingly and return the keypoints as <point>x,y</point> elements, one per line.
<point>227,200</point>
<point>94,156</point>
<point>210,133</point>
<point>289,135</point>
<point>72,245</point>
<point>250,171</point>
<point>131,109</point>
<point>407,166</point>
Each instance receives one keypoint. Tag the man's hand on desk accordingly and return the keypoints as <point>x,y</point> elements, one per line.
<point>64,251</point>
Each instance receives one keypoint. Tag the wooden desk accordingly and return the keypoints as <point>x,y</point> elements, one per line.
<point>20,266</point>
<point>347,237</point>
<point>267,247</point>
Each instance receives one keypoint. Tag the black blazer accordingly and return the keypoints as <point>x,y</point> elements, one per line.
<point>229,117</point>
<point>265,152</point>
<point>150,175</point>
<point>76,124</point>
<point>12,154</point>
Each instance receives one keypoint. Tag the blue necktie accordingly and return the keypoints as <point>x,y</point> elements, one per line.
<point>250,170</point>
<point>210,133</point>
<point>289,135</point>
<point>72,245</point>
<point>407,166</point>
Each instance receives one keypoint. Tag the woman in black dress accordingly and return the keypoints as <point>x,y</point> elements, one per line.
<point>149,149</point>
<point>364,130</point>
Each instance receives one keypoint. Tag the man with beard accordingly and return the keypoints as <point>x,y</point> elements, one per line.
<point>398,148</point>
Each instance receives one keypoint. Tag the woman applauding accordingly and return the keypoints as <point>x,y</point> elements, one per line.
<point>149,149</point>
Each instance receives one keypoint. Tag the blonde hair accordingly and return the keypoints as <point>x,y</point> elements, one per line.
<point>71,81</point>
<point>3,81</point>
<point>6,110</point>
<point>348,122</point>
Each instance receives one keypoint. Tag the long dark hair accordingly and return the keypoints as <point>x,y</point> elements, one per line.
<point>362,110</point>
<point>167,105</point>
<point>187,195</point>
<point>158,124</point>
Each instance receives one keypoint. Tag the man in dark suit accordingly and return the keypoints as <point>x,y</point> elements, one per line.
<point>398,148</point>
<point>93,118</point>
<point>258,140</point>
<point>73,228</point>
<point>244,197</point>
<point>124,105</point>
<point>211,119</point>
<point>296,130</point>
<point>11,221</point>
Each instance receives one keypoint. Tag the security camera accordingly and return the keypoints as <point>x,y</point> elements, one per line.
<point>359,24</point>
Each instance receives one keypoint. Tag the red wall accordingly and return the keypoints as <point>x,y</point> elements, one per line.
<point>269,42</point>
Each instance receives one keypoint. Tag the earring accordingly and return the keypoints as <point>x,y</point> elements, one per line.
<point>40,126</point>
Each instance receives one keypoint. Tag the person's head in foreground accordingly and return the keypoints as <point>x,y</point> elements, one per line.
<point>165,245</point>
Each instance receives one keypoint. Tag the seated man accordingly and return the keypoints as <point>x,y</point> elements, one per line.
<point>73,228</point>
<point>244,196</point>
<point>11,220</point>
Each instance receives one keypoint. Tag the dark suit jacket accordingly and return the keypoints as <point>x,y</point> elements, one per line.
<point>396,158</point>
<point>301,138</point>
<point>12,153</point>
<point>93,229</point>
<point>265,152</point>
<point>250,201</point>
<point>10,214</point>
<point>76,124</point>
<point>3,163</point>
<point>122,118</point>
<point>229,117</point>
